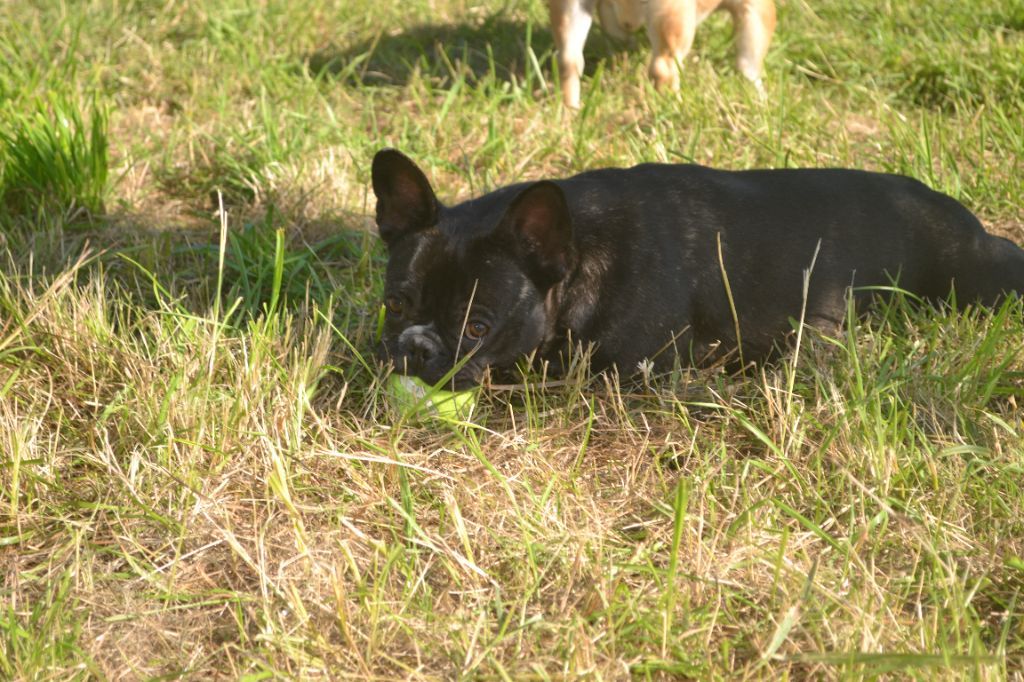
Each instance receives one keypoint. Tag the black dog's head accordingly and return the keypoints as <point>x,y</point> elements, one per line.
<point>467,283</point>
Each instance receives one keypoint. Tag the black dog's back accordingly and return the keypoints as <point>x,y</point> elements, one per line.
<point>681,232</point>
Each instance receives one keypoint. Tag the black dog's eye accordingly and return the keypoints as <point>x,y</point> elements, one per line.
<point>477,330</point>
<point>395,304</point>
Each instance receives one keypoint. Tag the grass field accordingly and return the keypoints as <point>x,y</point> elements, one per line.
<point>200,475</point>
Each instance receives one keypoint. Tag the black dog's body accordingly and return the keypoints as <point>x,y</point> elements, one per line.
<point>637,261</point>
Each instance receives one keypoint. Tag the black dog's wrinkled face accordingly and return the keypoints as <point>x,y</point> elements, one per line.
<point>466,285</point>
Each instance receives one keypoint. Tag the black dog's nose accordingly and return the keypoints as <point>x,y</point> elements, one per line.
<point>420,355</point>
<point>420,346</point>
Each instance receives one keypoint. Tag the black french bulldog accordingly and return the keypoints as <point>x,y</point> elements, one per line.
<point>659,261</point>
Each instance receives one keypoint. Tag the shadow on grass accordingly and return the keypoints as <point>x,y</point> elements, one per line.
<point>495,48</point>
<point>270,263</point>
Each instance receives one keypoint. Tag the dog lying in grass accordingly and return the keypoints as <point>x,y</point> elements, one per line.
<point>670,26</point>
<point>658,262</point>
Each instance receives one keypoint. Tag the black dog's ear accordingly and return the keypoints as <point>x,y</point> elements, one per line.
<point>540,223</point>
<point>405,200</point>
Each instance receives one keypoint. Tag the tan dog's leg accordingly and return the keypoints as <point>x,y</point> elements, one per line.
<point>670,26</point>
<point>570,22</point>
<point>755,24</point>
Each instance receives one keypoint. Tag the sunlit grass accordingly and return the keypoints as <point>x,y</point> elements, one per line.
<point>53,159</point>
<point>201,475</point>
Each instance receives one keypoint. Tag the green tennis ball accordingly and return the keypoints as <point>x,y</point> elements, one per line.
<point>409,396</point>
